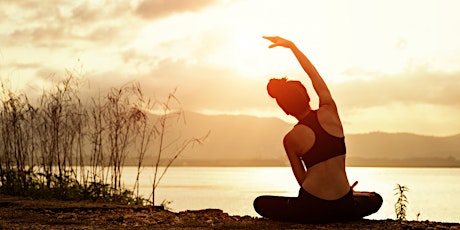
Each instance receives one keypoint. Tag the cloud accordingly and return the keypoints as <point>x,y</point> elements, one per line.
<point>48,35</point>
<point>199,86</point>
<point>57,24</point>
<point>86,14</point>
<point>107,30</point>
<point>417,86</point>
<point>137,58</point>
<point>154,9</point>
<point>211,41</point>
<point>24,65</point>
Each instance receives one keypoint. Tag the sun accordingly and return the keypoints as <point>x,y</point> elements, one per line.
<point>243,42</point>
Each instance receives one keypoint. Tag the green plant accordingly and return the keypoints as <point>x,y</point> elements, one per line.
<point>401,202</point>
<point>165,204</point>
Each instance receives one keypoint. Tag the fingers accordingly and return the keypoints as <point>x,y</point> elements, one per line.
<point>278,41</point>
<point>354,184</point>
<point>273,39</point>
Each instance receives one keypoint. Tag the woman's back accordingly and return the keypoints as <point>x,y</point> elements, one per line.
<point>327,180</point>
<point>323,153</point>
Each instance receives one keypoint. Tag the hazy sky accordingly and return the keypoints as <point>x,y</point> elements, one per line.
<point>392,66</point>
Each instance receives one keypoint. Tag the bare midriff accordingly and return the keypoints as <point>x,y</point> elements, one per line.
<point>327,180</point>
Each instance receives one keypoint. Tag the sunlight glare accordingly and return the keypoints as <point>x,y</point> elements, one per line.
<point>243,48</point>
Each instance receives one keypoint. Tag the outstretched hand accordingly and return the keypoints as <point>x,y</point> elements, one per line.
<point>279,41</point>
<point>356,193</point>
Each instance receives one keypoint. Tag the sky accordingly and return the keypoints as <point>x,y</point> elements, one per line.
<point>391,66</point>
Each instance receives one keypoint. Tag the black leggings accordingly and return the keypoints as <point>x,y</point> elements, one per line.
<point>307,208</point>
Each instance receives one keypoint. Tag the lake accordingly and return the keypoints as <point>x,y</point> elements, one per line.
<point>433,192</point>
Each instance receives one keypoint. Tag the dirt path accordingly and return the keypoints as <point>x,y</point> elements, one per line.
<point>22,213</point>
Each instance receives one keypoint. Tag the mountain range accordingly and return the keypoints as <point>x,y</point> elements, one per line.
<point>241,140</point>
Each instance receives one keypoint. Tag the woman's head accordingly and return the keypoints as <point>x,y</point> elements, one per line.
<point>291,96</point>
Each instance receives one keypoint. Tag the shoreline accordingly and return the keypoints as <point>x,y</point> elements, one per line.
<point>24,213</point>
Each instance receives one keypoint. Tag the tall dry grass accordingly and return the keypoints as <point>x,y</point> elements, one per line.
<point>73,150</point>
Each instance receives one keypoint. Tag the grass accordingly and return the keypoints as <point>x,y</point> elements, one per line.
<point>67,189</point>
<point>63,148</point>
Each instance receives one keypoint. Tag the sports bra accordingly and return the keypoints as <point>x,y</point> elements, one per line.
<point>325,147</point>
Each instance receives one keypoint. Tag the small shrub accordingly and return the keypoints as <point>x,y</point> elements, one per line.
<point>165,205</point>
<point>401,203</point>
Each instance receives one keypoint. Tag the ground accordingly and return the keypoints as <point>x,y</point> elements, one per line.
<point>23,213</point>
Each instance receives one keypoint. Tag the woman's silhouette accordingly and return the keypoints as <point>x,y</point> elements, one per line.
<point>315,148</point>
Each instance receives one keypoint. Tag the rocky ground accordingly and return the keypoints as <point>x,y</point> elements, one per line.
<point>23,213</point>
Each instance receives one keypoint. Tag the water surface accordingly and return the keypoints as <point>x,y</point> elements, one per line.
<point>433,192</point>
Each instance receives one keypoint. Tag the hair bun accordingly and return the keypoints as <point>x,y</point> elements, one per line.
<point>275,87</point>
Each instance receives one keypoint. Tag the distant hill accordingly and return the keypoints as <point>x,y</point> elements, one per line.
<point>403,149</point>
<point>239,140</point>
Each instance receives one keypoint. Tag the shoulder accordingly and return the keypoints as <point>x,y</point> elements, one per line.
<point>329,119</point>
<point>299,140</point>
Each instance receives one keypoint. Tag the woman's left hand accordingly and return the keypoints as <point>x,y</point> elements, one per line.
<point>356,193</point>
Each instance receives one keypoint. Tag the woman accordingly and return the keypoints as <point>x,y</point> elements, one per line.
<point>317,141</point>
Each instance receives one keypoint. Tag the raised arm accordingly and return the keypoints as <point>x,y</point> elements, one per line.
<point>319,85</point>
